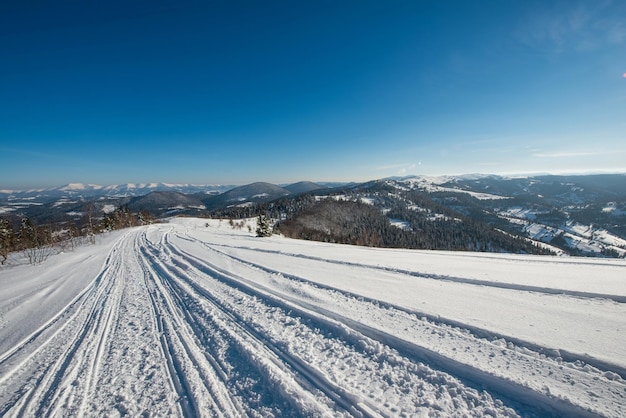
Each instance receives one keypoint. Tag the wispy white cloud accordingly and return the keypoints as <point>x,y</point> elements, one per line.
<point>564,154</point>
<point>574,25</point>
<point>573,154</point>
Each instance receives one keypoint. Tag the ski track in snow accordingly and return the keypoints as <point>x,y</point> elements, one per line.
<point>185,321</point>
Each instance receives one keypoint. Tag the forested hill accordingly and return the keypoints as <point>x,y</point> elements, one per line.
<point>350,222</point>
<point>575,215</point>
<point>378,214</point>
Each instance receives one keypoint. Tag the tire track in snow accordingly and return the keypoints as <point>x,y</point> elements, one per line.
<point>340,340</point>
<point>222,324</point>
<point>448,278</point>
<point>107,317</point>
<point>51,327</point>
<point>199,387</point>
<point>483,333</point>
<point>532,390</point>
<point>63,375</point>
<point>227,341</point>
<point>51,389</point>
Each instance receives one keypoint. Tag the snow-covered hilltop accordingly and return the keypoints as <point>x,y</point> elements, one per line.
<point>195,318</point>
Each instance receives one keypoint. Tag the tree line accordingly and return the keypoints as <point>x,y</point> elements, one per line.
<point>37,242</point>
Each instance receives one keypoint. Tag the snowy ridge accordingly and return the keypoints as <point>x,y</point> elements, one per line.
<point>74,190</point>
<point>433,184</point>
<point>197,319</point>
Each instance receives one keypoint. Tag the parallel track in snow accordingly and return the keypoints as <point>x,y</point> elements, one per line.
<point>297,352</point>
<point>479,343</point>
<point>63,342</point>
<point>175,326</point>
<point>478,332</point>
<point>62,364</point>
<point>452,279</point>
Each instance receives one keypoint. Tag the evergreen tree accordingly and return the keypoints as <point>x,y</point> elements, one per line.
<point>6,239</point>
<point>263,226</point>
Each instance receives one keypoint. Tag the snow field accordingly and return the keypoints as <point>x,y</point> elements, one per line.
<point>438,342</point>
<point>185,319</point>
<point>318,350</point>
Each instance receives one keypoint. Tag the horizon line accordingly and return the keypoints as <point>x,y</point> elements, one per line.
<point>237,184</point>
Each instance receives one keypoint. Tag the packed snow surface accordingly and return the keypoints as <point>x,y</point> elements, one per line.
<point>195,318</point>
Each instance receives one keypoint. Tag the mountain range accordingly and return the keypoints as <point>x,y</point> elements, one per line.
<point>575,215</point>
<point>86,191</point>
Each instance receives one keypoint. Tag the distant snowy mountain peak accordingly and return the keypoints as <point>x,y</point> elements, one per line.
<point>76,187</point>
<point>82,191</point>
<point>73,186</point>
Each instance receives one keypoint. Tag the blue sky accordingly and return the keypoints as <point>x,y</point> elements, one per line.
<point>234,92</point>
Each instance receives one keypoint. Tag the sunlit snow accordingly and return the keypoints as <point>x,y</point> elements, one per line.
<point>195,318</point>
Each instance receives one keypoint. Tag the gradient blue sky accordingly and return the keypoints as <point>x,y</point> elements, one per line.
<point>234,92</point>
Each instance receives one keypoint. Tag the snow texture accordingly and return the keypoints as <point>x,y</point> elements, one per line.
<point>194,318</point>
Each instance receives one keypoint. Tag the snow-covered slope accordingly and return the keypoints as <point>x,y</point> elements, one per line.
<point>434,184</point>
<point>193,318</point>
<point>579,215</point>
